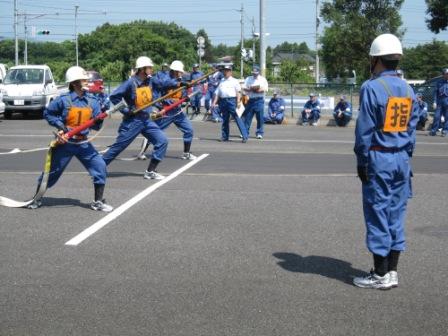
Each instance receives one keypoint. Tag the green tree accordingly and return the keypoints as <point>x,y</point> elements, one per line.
<point>425,61</point>
<point>160,41</point>
<point>353,24</point>
<point>295,72</point>
<point>438,12</point>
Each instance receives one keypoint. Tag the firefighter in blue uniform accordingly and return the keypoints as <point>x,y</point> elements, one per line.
<point>67,112</point>
<point>228,97</point>
<point>137,92</point>
<point>164,86</point>
<point>196,99</point>
<point>212,83</point>
<point>440,104</point>
<point>276,109</point>
<point>384,143</point>
<point>342,112</point>
<point>311,111</point>
<point>422,112</point>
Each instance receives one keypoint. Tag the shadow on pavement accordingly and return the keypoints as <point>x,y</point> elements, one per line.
<point>328,267</point>
<point>63,202</point>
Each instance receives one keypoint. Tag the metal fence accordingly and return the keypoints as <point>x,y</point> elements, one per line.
<point>297,94</point>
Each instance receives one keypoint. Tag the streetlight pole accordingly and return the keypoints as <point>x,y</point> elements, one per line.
<point>76,33</point>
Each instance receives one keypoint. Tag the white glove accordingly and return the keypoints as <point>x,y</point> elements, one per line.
<point>434,106</point>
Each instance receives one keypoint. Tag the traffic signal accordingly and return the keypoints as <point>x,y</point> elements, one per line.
<point>43,32</point>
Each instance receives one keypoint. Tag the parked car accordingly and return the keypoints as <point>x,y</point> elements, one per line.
<point>28,88</point>
<point>96,83</point>
<point>2,104</point>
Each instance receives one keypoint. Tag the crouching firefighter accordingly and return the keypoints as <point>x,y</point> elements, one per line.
<point>385,141</point>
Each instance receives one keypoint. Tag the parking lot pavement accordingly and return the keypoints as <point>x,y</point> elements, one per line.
<point>261,238</point>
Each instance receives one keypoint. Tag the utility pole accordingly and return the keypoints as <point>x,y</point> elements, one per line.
<point>25,52</point>
<point>242,39</point>
<point>16,48</point>
<point>253,40</point>
<point>76,33</point>
<point>262,40</point>
<point>317,42</point>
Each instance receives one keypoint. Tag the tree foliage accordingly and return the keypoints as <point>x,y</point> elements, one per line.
<point>125,42</point>
<point>425,61</point>
<point>295,72</point>
<point>353,25</point>
<point>438,11</point>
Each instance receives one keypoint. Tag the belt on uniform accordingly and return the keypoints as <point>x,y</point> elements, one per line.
<point>385,149</point>
<point>227,97</point>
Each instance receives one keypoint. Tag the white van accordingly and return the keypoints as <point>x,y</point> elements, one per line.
<point>28,88</point>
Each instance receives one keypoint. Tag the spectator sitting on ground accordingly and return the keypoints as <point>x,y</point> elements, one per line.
<point>276,109</point>
<point>311,111</point>
<point>342,112</point>
<point>422,112</point>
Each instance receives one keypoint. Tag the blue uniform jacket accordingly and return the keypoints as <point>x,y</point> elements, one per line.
<point>214,80</point>
<point>422,109</point>
<point>126,91</point>
<point>312,105</point>
<point>342,107</point>
<point>162,84</point>
<point>195,75</point>
<point>103,100</point>
<point>372,107</point>
<point>441,90</point>
<point>56,112</point>
<point>275,104</point>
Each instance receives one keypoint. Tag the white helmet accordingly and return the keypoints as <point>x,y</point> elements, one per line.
<point>177,66</point>
<point>386,44</point>
<point>75,73</point>
<point>143,61</point>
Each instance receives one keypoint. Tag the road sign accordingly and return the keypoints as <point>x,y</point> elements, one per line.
<point>201,40</point>
<point>201,52</point>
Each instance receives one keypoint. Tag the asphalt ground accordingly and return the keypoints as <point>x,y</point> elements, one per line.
<point>261,238</point>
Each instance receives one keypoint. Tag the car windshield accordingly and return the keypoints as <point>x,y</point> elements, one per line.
<point>24,76</point>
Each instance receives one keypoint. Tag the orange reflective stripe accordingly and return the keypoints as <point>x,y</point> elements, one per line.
<point>77,116</point>
<point>143,96</point>
<point>398,112</point>
<point>176,96</point>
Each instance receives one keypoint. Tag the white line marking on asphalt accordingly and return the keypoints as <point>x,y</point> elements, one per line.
<point>122,208</point>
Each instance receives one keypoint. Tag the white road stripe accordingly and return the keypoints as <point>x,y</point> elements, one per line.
<point>122,208</point>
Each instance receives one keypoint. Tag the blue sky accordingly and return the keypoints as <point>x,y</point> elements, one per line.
<point>286,20</point>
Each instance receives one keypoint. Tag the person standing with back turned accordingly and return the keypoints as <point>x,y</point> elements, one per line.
<point>385,141</point>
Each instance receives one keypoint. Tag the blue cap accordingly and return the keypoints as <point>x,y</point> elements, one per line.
<point>256,69</point>
<point>419,94</point>
<point>195,65</point>
<point>445,71</point>
<point>227,67</point>
<point>312,94</point>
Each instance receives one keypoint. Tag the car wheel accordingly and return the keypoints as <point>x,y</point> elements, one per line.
<point>8,115</point>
